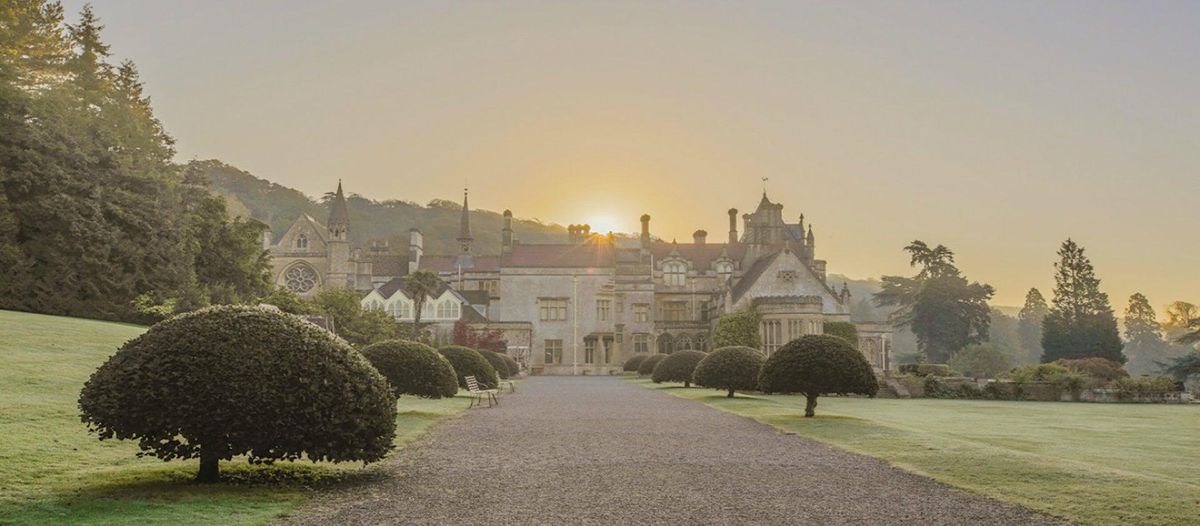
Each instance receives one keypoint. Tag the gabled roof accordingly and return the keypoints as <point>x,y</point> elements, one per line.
<point>593,254</point>
<point>450,263</point>
<point>388,265</point>
<point>752,274</point>
<point>702,255</point>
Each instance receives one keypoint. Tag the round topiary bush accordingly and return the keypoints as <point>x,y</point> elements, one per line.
<point>497,362</point>
<point>469,362</point>
<point>631,365</point>
<point>647,366</point>
<point>730,369</point>
<point>413,368</point>
<point>815,365</point>
<point>677,367</point>
<point>514,368</point>
<point>239,380</point>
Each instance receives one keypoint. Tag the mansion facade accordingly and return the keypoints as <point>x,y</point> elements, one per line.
<point>586,305</point>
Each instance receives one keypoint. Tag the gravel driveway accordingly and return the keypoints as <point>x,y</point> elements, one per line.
<point>603,451</point>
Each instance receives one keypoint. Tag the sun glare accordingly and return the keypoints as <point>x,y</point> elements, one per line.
<point>603,224</point>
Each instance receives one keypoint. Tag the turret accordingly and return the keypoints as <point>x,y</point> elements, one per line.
<point>811,243</point>
<point>733,232</point>
<point>464,226</point>
<point>506,234</point>
<point>339,217</point>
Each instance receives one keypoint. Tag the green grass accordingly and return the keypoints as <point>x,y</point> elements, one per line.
<point>1089,463</point>
<point>52,471</point>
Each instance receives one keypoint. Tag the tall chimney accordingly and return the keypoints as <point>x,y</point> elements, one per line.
<point>645,229</point>
<point>699,237</point>
<point>733,237</point>
<point>506,234</point>
<point>416,247</point>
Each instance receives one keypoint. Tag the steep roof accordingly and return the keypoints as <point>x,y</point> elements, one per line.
<point>338,214</point>
<point>701,255</point>
<point>592,254</point>
<point>388,265</point>
<point>450,263</point>
<point>752,274</point>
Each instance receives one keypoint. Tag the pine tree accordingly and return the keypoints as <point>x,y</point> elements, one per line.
<point>944,310</point>
<point>1030,325</point>
<point>1144,343</point>
<point>1080,323</point>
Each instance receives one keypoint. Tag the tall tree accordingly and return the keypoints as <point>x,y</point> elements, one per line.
<point>1179,316</point>
<point>1144,343</point>
<point>1080,323</point>
<point>944,310</point>
<point>1030,323</point>
<point>420,285</point>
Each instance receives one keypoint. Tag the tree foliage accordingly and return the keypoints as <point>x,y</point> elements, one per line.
<point>238,380</point>
<point>93,213</point>
<point>1030,323</point>
<point>730,369</point>
<point>1144,343</point>
<point>981,360</point>
<point>677,367</point>
<point>944,310</point>
<point>842,329</point>
<point>738,328</point>
<point>359,326</point>
<point>631,365</point>
<point>1080,323</point>
<point>646,368</point>
<point>815,365</point>
<point>482,339</point>
<point>413,368</point>
<point>420,286</point>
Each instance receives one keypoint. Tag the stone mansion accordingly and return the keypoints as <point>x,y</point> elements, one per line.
<point>586,305</point>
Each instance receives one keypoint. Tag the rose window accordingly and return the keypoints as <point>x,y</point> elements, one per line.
<point>300,279</point>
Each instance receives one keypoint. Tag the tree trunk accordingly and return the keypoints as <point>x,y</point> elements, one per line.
<point>730,395</point>
<point>687,385</point>
<point>811,406</point>
<point>210,469</point>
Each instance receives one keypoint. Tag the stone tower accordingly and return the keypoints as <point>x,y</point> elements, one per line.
<point>464,227</point>
<point>338,246</point>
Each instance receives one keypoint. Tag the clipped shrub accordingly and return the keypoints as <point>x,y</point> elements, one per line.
<point>980,360</point>
<point>647,365</point>
<point>239,380</point>
<point>677,367</point>
<point>497,362</point>
<point>1046,372</point>
<point>1145,388</point>
<point>514,368</point>
<point>631,365</point>
<point>842,329</point>
<point>926,369</point>
<point>936,387</point>
<point>413,368</point>
<point>815,365</point>
<point>469,362</point>
<point>1095,367</point>
<point>729,369</point>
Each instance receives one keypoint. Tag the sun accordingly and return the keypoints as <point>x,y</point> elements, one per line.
<point>604,223</point>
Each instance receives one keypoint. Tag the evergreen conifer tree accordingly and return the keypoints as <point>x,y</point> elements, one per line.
<point>1080,323</point>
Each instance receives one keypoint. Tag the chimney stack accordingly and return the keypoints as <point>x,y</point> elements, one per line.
<point>506,234</point>
<point>645,229</point>
<point>415,248</point>
<point>733,236</point>
<point>699,237</point>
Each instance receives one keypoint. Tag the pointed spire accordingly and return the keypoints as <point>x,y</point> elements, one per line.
<point>339,217</point>
<point>464,226</point>
<point>810,234</point>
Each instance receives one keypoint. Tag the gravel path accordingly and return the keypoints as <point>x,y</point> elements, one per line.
<point>604,451</point>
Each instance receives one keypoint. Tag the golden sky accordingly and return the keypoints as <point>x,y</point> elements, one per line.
<point>998,129</point>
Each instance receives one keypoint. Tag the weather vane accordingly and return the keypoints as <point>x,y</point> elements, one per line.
<point>764,179</point>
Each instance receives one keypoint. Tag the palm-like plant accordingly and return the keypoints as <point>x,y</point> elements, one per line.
<point>420,285</point>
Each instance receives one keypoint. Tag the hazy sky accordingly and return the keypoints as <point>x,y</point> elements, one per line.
<point>998,129</point>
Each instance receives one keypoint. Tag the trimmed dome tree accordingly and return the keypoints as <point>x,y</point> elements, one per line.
<point>631,365</point>
<point>469,362</point>
<point>677,367</point>
<point>514,368</point>
<point>497,362</point>
<point>730,369</point>
<point>413,368</point>
<point>815,365</point>
<point>647,366</point>
<point>240,380</point>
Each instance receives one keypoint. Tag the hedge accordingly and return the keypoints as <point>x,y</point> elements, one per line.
<point>413,368</point>
<point>677,367</point>
<point>497,362</point>
<point>631,365</point>
<point>469,362</point>
<point>647,366</point>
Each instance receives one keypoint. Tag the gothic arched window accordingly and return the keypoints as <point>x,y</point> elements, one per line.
<point>674,273</point>
<point>302,241</point>
<point>684,343</point>
<point>300,278</point>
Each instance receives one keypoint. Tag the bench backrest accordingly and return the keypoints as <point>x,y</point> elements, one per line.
<point>472,384</point>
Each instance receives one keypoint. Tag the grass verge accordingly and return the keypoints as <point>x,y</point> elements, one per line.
<point>1088,463</point>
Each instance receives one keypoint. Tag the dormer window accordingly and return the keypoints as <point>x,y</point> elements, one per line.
<point>674,273</point>
<point>724,269</point>
<point>302,241</point>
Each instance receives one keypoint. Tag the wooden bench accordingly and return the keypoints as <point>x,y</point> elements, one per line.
<point>477,393</point>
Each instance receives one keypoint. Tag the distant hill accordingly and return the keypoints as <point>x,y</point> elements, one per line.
<point>277,206</point>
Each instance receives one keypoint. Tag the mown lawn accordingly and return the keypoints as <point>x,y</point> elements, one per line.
<point>1089,463</point>
<point>53,472</point>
